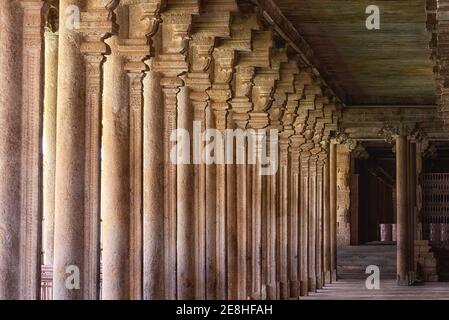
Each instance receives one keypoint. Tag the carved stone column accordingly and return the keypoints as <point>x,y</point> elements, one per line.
<point>49,132</point>
<point>213,21</point>
<point>333,208</point>
<point>326,221</point>
<point>411,186</point>
<point>154,144</point>
<point>343,195</point>
<point>398,133</point>
<point>153,179</point>
<point>320,219</point>
<point>241,105</point>
<point>283,217</point>
<point>293,223</point>
<point>21,106</point>
<point>77,218</point>
<point>420,138</point>
<point>122,155</point>
<point>304,219</point>
<point>171,62</point>
<point>288,119</point>
<point>402,219</point>
<point>272,209</point>
<point>312,221</point>
<point>185,211</point>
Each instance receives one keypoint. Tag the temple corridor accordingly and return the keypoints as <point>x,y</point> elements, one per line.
<point>224,149</point>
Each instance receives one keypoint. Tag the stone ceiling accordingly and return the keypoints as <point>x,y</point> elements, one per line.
<point>372,67</point>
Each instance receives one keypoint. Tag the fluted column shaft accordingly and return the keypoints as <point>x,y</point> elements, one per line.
<point>272,210</point>
<point>411,179</point>
<point>293,222</point>
<point>326,222</point>
<point>49,140</point>
<point>283,220</point>
<point>312,223</point>
<point>319,224</point>
<point>333,209</point>
<point>401,204</point>
<point>10,121</point>
<point>153,179</point>
<point>304,223</point>
<point>185,214</point>
<point>115,180</point>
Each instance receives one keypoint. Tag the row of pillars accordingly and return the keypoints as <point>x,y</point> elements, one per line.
<point>112,200</point>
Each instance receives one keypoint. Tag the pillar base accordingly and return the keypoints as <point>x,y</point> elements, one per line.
<point>319,281</point>
<point>412,277</point>
<point>303,288</point>
<point>334,276</point>
<point>312,284</point>
<point>271,291</point>
<point>327,277</point>
<point>283,291</point>
<point>403,281</point>
<point>263,292</point>
<point>294,289</point>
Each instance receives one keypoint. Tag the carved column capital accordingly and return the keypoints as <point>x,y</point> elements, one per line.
<point>391,131</point>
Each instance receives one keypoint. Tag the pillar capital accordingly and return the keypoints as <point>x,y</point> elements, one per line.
<point>391,131</point>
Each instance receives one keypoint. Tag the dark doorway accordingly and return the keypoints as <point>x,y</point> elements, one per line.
<point>375,178</point>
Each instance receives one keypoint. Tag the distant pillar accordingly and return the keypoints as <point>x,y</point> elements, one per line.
<point>326,223</point>
<point>401,204</point>
<point>333,209</point>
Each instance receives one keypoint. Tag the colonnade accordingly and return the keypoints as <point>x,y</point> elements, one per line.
<point>114,89</point>
<point>107,93</point>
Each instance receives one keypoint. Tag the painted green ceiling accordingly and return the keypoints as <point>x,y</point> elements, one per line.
<point>380,67</point>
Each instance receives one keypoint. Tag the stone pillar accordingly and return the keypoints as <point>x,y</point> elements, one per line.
<point>115,179</point>
<point>256,221</point>
<point>240,106</point>
<point>220,111</point>
<point>49,142</point>
<point>185,218</point>
<point>77,177</point>
<point>10,120</point>
<point>242,231</point>
<point>199,100</point>
<point>411,179</point>
<point>170,61</point>
<point>319,222</point>
<point>326,222</point>
<point>312,222</point>
<point>283,218</point>
<point>153,179</point>
<point>402,219</point>
<point>333,209</point>
<point>231,224</point>
<point>272,210</point>
<point>304,222</point>
<point>293,222</point>
<point>211,207</point>
<point>343,195</point>
<point>122,152</point>
<point>421,146</point>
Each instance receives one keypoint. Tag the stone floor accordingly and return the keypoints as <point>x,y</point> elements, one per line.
<point>356,290</point>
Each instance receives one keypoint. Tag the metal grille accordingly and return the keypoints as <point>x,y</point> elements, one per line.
<point>435,211</point>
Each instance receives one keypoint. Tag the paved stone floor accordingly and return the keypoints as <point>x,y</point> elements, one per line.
<point>356,290</point>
